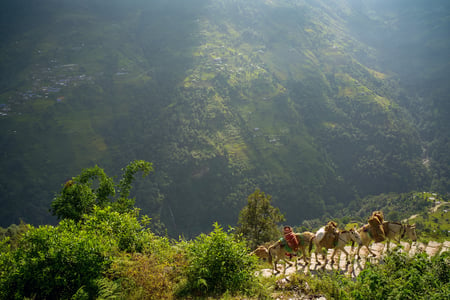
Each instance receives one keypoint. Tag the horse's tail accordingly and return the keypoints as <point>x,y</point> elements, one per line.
<point>311,244</point>
<point>270,254</point>
<point>273,248</point>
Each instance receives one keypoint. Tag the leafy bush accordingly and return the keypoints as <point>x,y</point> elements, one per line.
<point>71,258</point>
<point>53,263</point>
<point>13,233</point>
<point>403,277</point>
<point>397,277</point>
<point>124,228</point>
<point>143,277</point>
<point>150,274</point>
<point>218,263</point>
<point>329,283</point>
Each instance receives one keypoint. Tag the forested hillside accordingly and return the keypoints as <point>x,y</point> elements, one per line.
<point>317,103</point>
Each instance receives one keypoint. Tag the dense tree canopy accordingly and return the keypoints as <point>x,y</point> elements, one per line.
<point>82,193</point>
<point>258,220</point>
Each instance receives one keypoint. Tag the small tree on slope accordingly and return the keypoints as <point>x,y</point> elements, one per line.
<point>258,219</point>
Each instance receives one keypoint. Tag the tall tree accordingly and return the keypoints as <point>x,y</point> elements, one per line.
<point>258,219</point>
<point>94,188</point>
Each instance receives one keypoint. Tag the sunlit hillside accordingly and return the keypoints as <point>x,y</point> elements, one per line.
<point>317,103</point>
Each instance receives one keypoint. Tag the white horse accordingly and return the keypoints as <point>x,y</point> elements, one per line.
<point>342,239</point>
<point>392,230</point>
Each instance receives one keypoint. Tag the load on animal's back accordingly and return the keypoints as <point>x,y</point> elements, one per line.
<point>290,238</point>
<point>379,230</point>
<point>289,245</point>
<point>327,235</point>
<point>375,227</point>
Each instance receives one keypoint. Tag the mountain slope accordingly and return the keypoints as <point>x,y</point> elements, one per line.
<point>222,96</point>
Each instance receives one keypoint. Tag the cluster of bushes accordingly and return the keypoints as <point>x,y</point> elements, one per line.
<point>403,277</point>
<point>111,254</point>
<point>398,276</point>
<point>218,263</point>
<point>53,262</point>
<point>103,249</point>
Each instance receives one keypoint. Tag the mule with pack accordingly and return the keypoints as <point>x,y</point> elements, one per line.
<point>290,244</point>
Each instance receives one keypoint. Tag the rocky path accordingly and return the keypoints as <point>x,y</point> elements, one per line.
<point>355,267</point>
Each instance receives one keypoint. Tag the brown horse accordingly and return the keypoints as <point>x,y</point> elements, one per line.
<point>392,230</point>
<point>278,250</point>
<point>342,239</point>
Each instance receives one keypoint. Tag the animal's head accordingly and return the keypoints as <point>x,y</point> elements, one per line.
<point>261,252</point>
<point>411,232</point>
<point>355,236</point>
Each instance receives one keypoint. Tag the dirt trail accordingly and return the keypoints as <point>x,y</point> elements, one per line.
<point>356,266</point>
<point>432,210</point>
<point>435,208</point>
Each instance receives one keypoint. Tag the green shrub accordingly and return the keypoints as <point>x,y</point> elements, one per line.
<point>143,277</point>
<point>218,263</point>
<point>52,263</point>
<point>69,259</point>
<point>13,233</point>
<point>328,283</point>
<point>398,276</point>
<point>403,277</point>
<point>78,195</point>
<point>125,228</point>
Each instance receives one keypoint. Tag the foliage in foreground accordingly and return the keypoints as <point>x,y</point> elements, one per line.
<point>397,277</point>
<point>108,253</point>
<point>138,276</point>
<point>52,262</point>
<point>218,263</point>
<point>403,277</point>
<point>61,261</point>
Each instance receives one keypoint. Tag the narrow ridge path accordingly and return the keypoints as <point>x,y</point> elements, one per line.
<point>356,266</point>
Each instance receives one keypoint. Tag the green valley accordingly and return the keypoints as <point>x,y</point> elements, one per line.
<point>318,103</point>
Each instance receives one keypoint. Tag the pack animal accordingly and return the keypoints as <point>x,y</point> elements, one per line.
<point>393,231</point>
<point>279,249</point>
<point>261,252</point>
<point>342,239</point>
